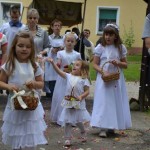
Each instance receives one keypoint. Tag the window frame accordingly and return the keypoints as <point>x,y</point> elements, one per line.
<point>8,3</point>
<point>98,15</point>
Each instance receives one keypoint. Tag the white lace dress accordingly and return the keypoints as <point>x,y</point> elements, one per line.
<point>74,111</point>
<point>22,128</point>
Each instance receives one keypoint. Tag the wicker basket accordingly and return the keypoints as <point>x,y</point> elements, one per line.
<point>30,101</point>
<point>111,76</point>
<point>70,98</point>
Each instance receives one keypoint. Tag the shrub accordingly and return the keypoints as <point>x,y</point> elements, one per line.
<point>128,37</point>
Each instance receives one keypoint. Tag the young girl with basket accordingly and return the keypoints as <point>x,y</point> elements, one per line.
<point>64,60</point>
<point>23,126</point>
<point>74,107</point>
<point>111,105</point>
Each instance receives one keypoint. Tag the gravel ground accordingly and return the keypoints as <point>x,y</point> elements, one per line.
<point>136,138</point>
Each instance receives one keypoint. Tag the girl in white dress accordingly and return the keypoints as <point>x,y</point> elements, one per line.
<point>65,57</point>
<point>74,107</point>
<point>22,129</point>
<point>111,105</point>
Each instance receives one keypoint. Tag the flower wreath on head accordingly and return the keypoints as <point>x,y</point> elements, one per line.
<point>112,25</point>
<point>73,33</point>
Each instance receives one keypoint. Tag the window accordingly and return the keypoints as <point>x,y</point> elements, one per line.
<point>4,10</point>
<point>106,15</point>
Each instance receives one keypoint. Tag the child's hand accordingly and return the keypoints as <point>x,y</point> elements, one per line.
<point>49,60</point>
<point>30,84</point>
<point>79,98</point>
<point>12,87</point>
<point>115,62</point>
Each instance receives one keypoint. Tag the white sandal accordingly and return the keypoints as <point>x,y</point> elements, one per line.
<point>67,143</point>
<point>103,134</point>
<point>83,137</point>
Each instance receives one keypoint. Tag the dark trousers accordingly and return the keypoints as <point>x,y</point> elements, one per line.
<point>51,86</point>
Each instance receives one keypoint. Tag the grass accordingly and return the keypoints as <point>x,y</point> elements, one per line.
<point>132,73</point>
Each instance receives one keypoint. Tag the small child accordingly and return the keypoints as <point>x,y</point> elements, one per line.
<point>74,107</point>
<point>22,129</point>
<point>64,59</point>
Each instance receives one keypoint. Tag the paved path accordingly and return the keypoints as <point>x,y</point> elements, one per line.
<point>136,138</point>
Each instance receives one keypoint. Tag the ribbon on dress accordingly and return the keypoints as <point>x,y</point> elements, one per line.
<point>19,98</point>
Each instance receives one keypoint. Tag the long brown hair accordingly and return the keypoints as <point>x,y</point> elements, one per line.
<point>10,63</point>
<point>112,29</point>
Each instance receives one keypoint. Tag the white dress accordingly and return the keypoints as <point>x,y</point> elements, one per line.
<point>74,113</point>
<point>111,104</point>
<point>22,128</point>
<point>60,87</point>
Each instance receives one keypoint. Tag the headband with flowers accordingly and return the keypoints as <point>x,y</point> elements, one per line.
<point>73,33</point>
<point>112,25</point>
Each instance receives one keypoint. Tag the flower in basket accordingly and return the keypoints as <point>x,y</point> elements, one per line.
<point>70,98</point>
<point>68,68</point>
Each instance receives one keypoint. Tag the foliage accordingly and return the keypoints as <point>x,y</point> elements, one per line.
<point>128,37</point>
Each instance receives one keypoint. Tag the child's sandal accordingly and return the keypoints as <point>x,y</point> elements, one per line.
<point>83,137</point>
<point>67,143</point>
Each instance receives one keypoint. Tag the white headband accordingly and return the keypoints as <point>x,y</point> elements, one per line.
<point>75,35</point>
<point>112,25</point>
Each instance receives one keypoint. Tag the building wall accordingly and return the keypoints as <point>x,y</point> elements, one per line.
<point>130,11</point>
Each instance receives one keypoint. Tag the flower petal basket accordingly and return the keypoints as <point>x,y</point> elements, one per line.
<point>30,101</point>
<point>112,76</point>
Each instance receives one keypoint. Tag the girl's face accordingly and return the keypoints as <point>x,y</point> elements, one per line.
<point>23,49</point>
<point>70,42</point>
<point>77,68</point>
<point>109,38</point>
<point>32,20</point>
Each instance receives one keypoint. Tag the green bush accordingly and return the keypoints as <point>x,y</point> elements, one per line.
<point>128,37</point>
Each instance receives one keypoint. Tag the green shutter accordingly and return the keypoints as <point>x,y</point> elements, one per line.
<point>108,14</point>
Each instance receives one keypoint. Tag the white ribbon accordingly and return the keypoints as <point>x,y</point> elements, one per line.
<point>70,104</point>
<point>19,98</point>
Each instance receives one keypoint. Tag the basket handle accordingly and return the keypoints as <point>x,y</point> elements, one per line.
<point>105,64</point>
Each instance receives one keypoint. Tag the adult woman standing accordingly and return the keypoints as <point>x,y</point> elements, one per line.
<point>41,40</point>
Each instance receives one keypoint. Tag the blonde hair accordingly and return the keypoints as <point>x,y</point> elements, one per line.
<point>71,34</point>
<point>84,69</point>
<point>33,11</point>
<point>10,63</point>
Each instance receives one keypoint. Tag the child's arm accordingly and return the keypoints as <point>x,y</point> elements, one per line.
<point>3,82</point>
<point>96,62</point>
<point>85,94</point>
<point>59,71</point>
<point>36,84</point>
